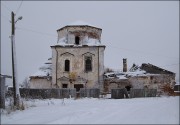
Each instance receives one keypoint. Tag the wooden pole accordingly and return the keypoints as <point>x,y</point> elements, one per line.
<point>12,48</point>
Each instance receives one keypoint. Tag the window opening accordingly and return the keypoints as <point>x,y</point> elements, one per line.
<point>64,85</point>
<point>67,65</point>
<point>88,64</point>
<point>77,40</point>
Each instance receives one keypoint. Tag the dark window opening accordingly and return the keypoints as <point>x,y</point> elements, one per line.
<point>77,40</point>
<point>88,64</point>
<point>67,65</point>
<point>64,85</point>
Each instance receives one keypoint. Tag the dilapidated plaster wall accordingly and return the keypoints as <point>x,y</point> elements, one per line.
<point>76,55</point>
<point>152,81</point>
<point>40,83</point>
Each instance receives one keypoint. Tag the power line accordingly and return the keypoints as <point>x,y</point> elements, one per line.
<point>5,17</point>
<point>142,52</point>
<point>6,7</point>
<point>47,34</point>
<point>19,7</point>
<point>171,64</point>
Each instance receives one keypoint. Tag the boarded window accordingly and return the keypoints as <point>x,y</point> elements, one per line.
<point>88,64</point>
<point>77,40</point>
<point>67,65</point>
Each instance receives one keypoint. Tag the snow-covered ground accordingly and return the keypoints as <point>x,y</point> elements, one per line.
<point>156,110</point>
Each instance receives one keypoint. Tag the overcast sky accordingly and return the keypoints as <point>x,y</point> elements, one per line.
<point>142,32</point>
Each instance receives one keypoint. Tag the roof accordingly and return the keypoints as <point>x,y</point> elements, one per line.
<point>149,68</point>
<point>5,76</point>
<point>79,23</point>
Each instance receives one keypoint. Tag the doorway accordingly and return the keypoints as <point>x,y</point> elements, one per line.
<point>128,88</point>
<point>78,86</point>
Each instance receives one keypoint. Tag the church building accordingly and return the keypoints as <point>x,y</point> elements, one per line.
<point>77,59</point>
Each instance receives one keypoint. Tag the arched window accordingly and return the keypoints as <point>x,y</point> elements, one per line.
<point>67,65</point>
<point>88,64</point>
<point>77,40</point>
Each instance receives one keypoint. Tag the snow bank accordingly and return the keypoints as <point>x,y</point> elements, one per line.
<point>158,110</point>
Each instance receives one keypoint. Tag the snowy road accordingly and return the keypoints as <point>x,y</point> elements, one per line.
<point>159,110</point>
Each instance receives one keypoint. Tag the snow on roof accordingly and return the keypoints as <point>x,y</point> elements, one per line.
<point>49,61</point>
<point>122,77</point>
<point>137,72</point>
<point>80,23</point>
<point>92,42</point>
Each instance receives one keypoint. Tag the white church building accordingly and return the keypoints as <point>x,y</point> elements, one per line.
<point>77,59</point>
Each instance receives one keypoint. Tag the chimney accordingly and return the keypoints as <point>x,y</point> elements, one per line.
<point>124,65</point>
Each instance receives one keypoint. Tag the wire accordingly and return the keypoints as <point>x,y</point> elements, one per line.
<point>171,64</point>
<point>19,7</point>
<point>6,7</point>
<point>4,17</point>
<point>47,34</point>
<point>142,52</point>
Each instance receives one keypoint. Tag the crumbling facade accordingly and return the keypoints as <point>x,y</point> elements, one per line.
<point>146,76</point>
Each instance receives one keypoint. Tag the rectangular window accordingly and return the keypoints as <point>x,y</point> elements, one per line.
<point>67,65</point>
<point>88,64</point>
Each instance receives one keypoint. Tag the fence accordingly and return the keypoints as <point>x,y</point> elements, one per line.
<point>89,92</point>
<point>135,93</point>
<point>45,93</point>
<point>95,93</point>
<point>2,92</point>
<point>119,93</point>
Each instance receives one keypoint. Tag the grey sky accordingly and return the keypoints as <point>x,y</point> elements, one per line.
<point>142,32</point>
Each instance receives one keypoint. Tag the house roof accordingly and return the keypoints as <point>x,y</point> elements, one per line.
<point>140,71</point>
<point>79,23</point>
<point>149,68</point>
<point>6,76</point>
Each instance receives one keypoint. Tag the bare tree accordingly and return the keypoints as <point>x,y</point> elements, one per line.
<point>26,83</point>
<point>107,70</point>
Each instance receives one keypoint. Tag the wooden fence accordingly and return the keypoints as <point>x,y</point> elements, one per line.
<point>55,93</point>
<point>119,93</point>
<point>135,93</point>
<point>95,93</point>
<point>2,92</point>
<point>89,93</point>
<point>45,93</point>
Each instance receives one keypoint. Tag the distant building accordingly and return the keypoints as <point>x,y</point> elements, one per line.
<point>77,59</point>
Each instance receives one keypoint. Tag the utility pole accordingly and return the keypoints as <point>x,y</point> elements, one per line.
<point>14,70</point>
